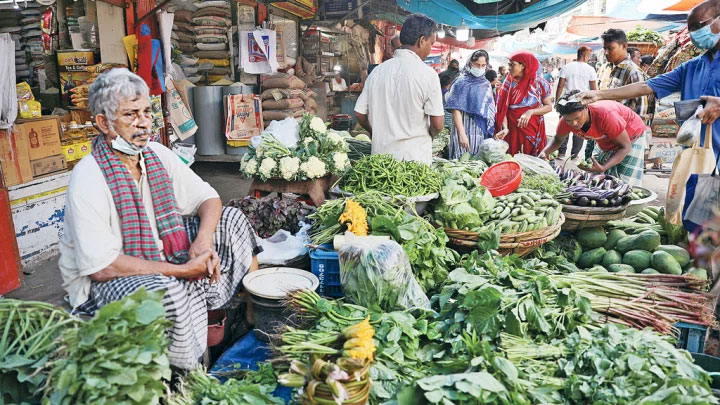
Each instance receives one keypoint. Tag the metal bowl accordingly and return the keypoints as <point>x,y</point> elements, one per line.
<point>685,109</point>
<point>638,205</point>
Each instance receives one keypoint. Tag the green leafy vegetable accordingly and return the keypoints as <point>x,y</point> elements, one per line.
<point>119,356</point>
<point>201,389</point>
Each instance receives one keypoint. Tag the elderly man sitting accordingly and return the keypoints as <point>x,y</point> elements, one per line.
<point>136,216</point>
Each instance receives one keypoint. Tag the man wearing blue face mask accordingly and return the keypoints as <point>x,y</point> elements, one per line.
<point>137,217</point>
<point>697,78</point>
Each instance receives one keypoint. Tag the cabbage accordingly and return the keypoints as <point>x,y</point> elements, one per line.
<point>452,193</point>
<point>482,200</point>
<point>466,217</point>
<point>363,137</point>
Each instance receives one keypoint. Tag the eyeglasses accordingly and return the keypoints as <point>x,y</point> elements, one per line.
<point>701,24</point>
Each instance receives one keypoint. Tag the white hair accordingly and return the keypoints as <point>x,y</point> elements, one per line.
<point>114,86</point>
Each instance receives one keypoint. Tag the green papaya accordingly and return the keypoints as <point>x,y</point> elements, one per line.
<point>626,244</point>
<point>647,240</point>
<point>680,254</point>
<point>639,259</point>
<point>591,258</point>
<point>613,237</point>
<point>611,257</point>
<point>665,263</point>
<point>621,268</point>
<point>591,238</point>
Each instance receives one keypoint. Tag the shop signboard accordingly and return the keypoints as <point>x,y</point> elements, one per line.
<point>302,8</point>
<point>72,65</point>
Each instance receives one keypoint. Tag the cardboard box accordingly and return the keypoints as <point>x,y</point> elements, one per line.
<point>48,165</point>
<point>666,149</point>
<point>14,158</point>
<point>43,135</point>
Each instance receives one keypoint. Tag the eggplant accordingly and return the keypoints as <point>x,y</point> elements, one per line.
<point>586,194</point>
<point>626,198</point>
<point>623,190</point>
<point>583,201</point>
<point>577,188</point>
<point>615,201</point>
<point>605,202</point>
<point>593,203</point>
<point>608,185</point>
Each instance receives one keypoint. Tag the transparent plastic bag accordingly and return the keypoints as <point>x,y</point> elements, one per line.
<point>283,246</point>
<point>690,130</point>
<point>378,274</point>
<point>704,202</point>
<point>493,150</point>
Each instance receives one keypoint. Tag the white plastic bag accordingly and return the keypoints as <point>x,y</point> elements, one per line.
<point>690,129</point>
<point>284,246</point>
<point>704,203</point>
<point>286,131</point>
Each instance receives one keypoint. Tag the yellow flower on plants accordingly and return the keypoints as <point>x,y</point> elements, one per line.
<point>361,348</point>
<point>355,218</point>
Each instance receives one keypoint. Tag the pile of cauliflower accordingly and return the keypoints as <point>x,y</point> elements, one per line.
<point>319,153</point>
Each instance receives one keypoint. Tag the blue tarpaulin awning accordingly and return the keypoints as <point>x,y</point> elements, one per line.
<point>451,12</point>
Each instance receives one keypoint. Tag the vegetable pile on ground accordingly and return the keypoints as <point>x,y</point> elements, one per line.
<point>425,245</point>
<point>120,356</point>
<point>29,334</point>
<point>513,331</point>
<point>315,154</point>
<point>390,176</point>
<point>198,388</point>
<point>268,215</point>
<point>543,183</point>
<point>474,168</point>
<point>593,190</point>
<point>641,251</point>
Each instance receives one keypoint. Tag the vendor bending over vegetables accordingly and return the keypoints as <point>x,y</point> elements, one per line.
<point>616,129</point>
<point>124,226</point>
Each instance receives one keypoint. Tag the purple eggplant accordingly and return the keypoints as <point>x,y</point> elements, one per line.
<point>583,201</point>
<point>587,194</point>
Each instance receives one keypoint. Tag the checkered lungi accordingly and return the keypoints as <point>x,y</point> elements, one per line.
<point>187,302</point>
<point>629,170</point>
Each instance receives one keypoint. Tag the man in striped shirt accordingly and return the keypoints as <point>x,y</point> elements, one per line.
<point>619,71</point>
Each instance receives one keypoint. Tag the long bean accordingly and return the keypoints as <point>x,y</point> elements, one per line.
<point>390,176</point>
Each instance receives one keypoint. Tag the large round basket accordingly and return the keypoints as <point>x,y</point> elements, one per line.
<point>519,243</point>
<point>577,217</point>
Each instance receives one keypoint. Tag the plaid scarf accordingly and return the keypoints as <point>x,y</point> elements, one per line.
<point>138,240</point>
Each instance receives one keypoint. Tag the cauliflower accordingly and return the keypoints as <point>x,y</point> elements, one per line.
<point>289,167</point>
<point>250,166</point>
<point>267,166</point>
<point>341,161</point>
<point>308,140</point>
<point>317,125</point>
<point>259,152</point>
<point>313,168</point>
<point>335,138</point>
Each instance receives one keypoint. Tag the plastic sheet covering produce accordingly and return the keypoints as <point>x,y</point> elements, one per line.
<point>534,165</point>
<point>378,274</point>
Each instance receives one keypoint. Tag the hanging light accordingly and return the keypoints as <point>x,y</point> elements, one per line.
<point>441,33</point>
<point>462,32</point>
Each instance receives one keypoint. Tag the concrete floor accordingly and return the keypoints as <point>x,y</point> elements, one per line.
<point>43,281</point>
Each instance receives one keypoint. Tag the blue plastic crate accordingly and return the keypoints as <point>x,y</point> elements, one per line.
<point>326,266</point>
<point>691,337</point>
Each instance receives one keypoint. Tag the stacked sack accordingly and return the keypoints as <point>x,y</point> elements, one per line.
<point>183,42</point>
<point>284,96</point>
<point>10,24</point>
<point>211,24</point>
<point>31,17</point>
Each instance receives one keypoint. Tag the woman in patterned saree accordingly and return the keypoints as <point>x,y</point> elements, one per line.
<point>523,100</point>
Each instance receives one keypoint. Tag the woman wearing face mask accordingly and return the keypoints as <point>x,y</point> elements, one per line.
<point>472,103</point>
<point>523,100</point>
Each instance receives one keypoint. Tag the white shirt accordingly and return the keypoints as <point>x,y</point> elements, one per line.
<point>92,239</point>
<point>578,76</point>
<point>399,96</point>
<point>342,86</point>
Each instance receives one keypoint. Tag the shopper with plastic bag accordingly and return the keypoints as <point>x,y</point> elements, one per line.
<point>377,274</point>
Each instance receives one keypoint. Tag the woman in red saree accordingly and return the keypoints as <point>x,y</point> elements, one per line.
<point>523,100</point>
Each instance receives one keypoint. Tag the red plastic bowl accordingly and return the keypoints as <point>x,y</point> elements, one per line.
<point>502,178</point>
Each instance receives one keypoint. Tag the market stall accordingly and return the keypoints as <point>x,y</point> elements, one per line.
<point>456,281</point>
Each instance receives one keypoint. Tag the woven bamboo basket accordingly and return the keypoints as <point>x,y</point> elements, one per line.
<point>585,217</point>
<point>519,243</point>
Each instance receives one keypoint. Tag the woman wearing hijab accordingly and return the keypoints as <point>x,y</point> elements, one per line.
<point>472,103</point>
<point>522,101</point>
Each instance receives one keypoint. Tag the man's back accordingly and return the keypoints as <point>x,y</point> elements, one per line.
<point>398,97</point>
<point>578,76</point>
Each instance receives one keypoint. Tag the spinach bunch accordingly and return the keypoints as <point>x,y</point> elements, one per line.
<point>616,365</point>
<point>200,388</point>
<point>118,357</point>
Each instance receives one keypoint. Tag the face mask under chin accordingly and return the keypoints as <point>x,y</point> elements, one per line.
<point>123,146</point>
